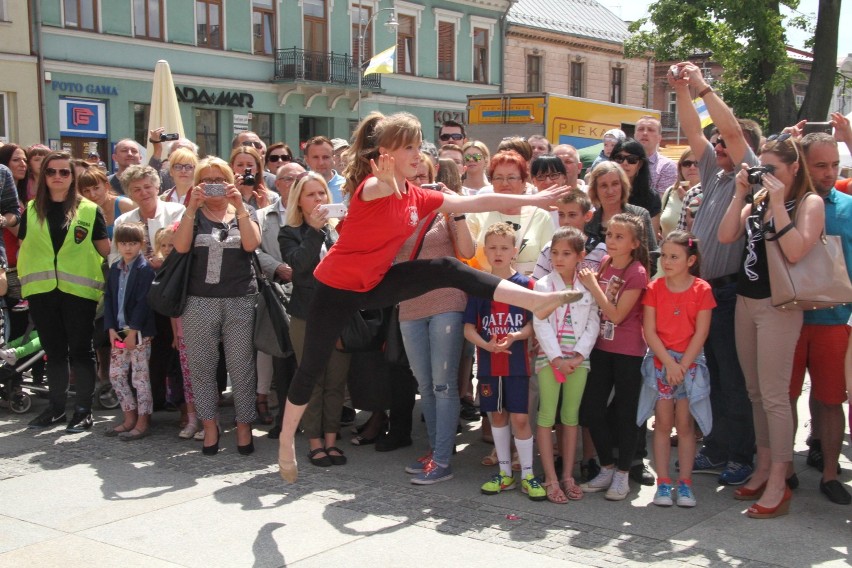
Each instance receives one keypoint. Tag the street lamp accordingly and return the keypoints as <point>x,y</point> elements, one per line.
<point>392,24</point>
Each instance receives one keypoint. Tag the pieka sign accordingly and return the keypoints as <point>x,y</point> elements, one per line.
<point>224,98</point>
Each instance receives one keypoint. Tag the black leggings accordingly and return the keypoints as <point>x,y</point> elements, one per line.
<point>331,308</point>
<point>624,373</point>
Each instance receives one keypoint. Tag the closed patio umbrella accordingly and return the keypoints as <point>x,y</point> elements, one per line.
<point>165,111</point>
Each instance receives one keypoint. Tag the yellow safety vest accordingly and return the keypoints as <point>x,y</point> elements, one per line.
<point>75,270</point>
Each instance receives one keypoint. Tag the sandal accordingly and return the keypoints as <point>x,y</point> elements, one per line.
<point>113,432</point>
<point>336,456</point>
<point>324,461</point>
<point>263,415</point>
<point>491,459</point>
<point>555,493</point>
<point>571,489</point>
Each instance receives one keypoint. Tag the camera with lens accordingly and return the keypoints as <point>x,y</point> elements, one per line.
<point>755,174</point>
<point>248,178</point>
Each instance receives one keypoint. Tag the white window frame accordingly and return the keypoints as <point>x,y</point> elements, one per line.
<point>415,11</point>
<point>671,105</point>
<point>451,17</point>
<point>486,24</point>
<point>4,104</point>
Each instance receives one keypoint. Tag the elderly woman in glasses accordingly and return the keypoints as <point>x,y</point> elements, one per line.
<point>476,160</point>
<point>63,242</point>
<point>222,232</point>
<point>533,226</point>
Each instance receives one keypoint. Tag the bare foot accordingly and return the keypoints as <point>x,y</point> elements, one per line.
<point>554,300</point>
<point>287,466</point>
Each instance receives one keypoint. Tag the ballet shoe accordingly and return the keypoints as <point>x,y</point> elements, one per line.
<point>289,470</point>
<point>559,299</point>
<point>760,512</point>
<point>746,494</point>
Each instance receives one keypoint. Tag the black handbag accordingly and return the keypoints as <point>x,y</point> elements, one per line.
<point>271,320</point>
<point>167,295</point>
<point>365,331</point>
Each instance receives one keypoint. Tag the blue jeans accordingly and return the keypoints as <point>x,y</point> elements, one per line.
<point>732,438</point>
<point>433,345</point>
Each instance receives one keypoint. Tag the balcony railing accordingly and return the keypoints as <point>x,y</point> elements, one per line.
<point>321,67</point>
<point>668,119</point>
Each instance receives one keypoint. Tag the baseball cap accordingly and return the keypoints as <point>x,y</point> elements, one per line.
<point>338,143</point>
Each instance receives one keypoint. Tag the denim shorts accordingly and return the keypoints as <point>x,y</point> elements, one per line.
<point>667,392</point>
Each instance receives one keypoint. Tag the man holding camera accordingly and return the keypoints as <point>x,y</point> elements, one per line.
<point>730,446</point>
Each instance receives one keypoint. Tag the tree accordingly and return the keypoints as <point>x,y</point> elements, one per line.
<point>747,38</point>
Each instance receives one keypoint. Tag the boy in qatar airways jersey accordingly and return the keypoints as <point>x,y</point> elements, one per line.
<point>500,333</point>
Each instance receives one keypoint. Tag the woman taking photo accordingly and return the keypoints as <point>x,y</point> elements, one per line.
<point>182,164</point>
<point>533,225</point>
<point>630,155</point>
<point>244,159</point>
<point>305,240</point>
<point>384,211</point>
<point>94,186</point>
<point>787,210</point>
<point>220,298</point>
<point>63,244</point>
<point>609,191</point>
<point>476,160</point>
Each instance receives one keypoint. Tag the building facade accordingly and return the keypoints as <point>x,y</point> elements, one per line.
<point>19,97</point>
<point>287,69</point>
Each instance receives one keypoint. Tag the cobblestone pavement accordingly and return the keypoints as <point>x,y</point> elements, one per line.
<point>591,532</point>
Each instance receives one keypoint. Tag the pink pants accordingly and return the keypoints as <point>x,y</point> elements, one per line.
<point>132,362</point>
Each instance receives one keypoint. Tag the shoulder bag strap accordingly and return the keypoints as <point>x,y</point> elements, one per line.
<point>418,244</point>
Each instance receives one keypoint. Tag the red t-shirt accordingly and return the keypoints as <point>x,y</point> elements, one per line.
<point>677,312</point>
<point>844,185</point>
<point>373,233</point>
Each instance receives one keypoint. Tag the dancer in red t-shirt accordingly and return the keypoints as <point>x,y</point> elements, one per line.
<point>357,273</point>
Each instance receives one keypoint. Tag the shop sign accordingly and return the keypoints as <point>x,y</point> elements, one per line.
<point>223,98</point>
<point>442,116</point>
<point>241,123</point>
<point>80,88</point>
<point>79,117</point>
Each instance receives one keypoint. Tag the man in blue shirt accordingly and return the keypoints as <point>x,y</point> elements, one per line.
<point>319,155</point>
<point>825,335</point>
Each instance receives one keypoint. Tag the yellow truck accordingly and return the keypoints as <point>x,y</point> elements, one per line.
<point>560,118</point>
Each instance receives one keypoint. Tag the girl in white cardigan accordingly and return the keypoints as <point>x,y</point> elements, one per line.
<point>565,339</point>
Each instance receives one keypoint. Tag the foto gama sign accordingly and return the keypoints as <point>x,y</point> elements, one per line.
<point>223,98</point>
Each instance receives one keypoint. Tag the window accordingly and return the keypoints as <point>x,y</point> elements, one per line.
<point>141,112</point>
<point>617,88</point>
<point>672,102</point>
<point>315,40</point>
<point>405,42</point>
<point>81,14</point>
<point>799,100</point>
<point>148,19</point>
<point>446,50</point>
<point>533,73</point>
<point>4,13</point>
<point>4,118</point>
<point>263,27</point>
<point>261,124</point>
<point>576,79</point>
<point>207,131</point>
<point>208,22</point>
<point>361,13</point>
<point>480,55</point>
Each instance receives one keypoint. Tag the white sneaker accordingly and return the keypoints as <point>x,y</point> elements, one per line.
<point>601,482</point>
<point>190,430</point>
<point>620,487</point>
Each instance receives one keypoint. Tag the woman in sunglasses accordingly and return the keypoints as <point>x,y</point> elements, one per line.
<point>277,155</point>
<point>222,232</point>
<point>476,161</point>
<point>63,243</point>
<point>630,155</point>
<point>785,209</point>
<point>674,212</point>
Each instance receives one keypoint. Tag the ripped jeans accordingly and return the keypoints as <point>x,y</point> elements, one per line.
<point>433,345</point>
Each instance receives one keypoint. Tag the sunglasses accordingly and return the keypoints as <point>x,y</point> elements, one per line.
<point>719,141</point>
<point>629,158</point>
<point>281,157</point>
<point>61,172</point>
<point>778,138</point>
<point>183,167</point>
<point>689,163</point>
<point>257,145</point>
<point>447,137</point>
<point>473,157</point>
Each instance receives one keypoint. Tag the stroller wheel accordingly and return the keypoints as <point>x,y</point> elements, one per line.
<point>106,397</point>
<point>20,402</point>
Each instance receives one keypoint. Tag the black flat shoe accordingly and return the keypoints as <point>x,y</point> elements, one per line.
<point>835,492</point>
<point>246,450</point>
<point>793,482</point>
<point>211,450</point>
<point>274,433</point>
<point>324,461</point>
<point>336,458</point>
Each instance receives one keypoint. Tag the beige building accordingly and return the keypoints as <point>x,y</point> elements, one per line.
<point>573,47</point>
<point>19,98</point>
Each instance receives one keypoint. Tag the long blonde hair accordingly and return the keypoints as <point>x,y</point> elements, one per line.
<point>295,217</point>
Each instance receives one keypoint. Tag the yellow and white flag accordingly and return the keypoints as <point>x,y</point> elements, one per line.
<point>703,113</point>
<point>381,62</point>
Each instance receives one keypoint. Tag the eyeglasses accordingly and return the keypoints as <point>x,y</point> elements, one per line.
<point>629,158</point>
<point>257,145</point>
<point>213,180</point>
<point>421,177</point>
<point>689,164</point>
<point>287,179</point>
<point>473,157</point>
<point>552,176</point>
<point>61,172</point>
<point>281,157</point>
<point>508,179</point>
<point>454,136</point>
<point>720,142</point>
<point>183,167</point>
